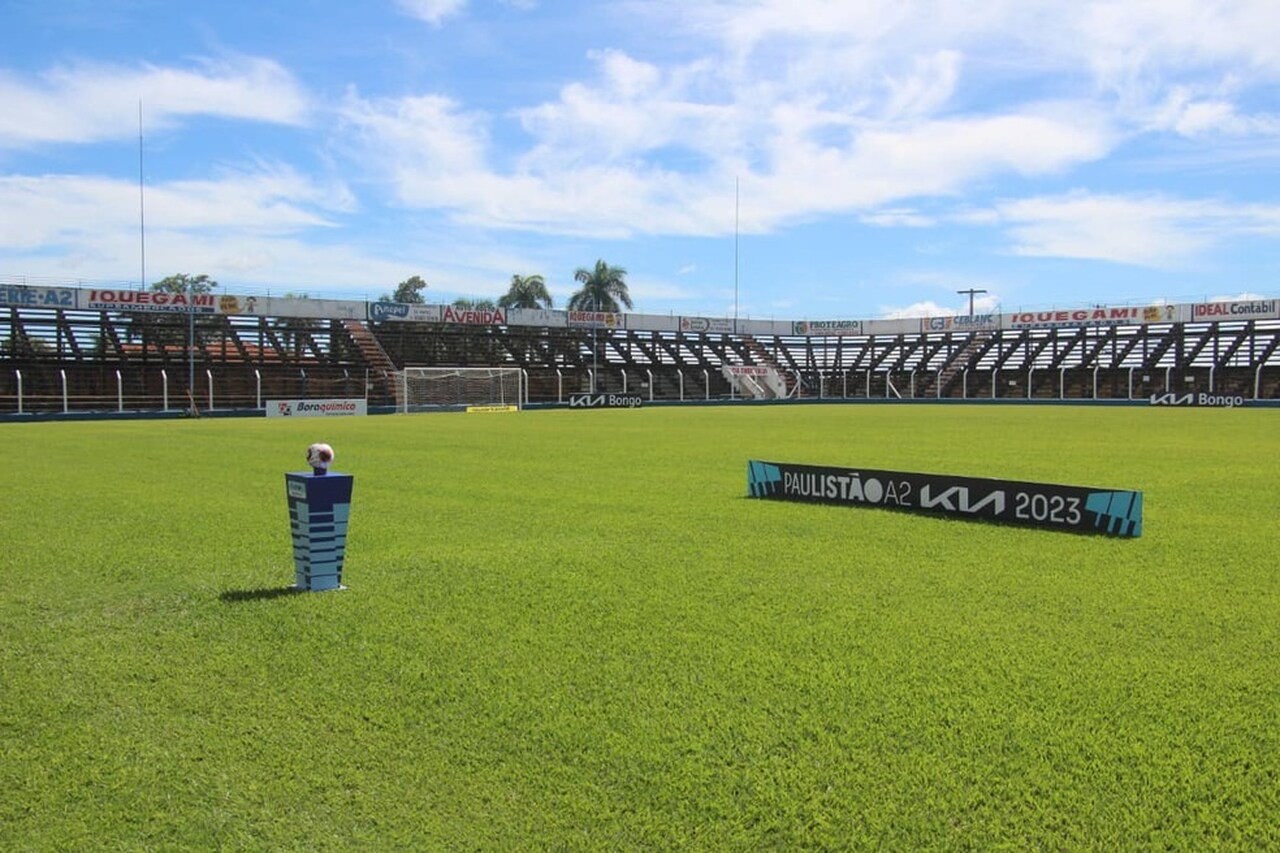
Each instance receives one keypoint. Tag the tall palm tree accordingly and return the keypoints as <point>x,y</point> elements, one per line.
<point>602,289</point>
<point>527,291</point>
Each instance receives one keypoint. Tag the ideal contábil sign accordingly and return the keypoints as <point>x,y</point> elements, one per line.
<point>1076,508</point>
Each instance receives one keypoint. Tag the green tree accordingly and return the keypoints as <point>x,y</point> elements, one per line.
<point>173,329</point>
<point>603,288</point>
<point>184,283</point>
<point>474,304</point>
<point>526,292</point>
<point>409,291</point>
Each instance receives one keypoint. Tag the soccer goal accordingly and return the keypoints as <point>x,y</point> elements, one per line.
<point>425,389</point>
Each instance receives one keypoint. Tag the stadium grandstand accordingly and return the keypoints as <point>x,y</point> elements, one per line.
<point>74,349</point>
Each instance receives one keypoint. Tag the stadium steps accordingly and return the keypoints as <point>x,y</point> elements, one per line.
<point>373,353</point>
<point>764,357</point>
<point>961,360</point>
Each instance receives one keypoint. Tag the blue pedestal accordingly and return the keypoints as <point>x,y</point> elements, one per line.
<point>319,507</point>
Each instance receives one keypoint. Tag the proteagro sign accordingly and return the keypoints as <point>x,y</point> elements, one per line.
<point>316,408</point>
<point>826,327</point>
<point>1190,398</point>
<point>604,401</point>
<point>1075,508</point>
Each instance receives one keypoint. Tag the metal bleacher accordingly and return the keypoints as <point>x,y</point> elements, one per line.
<point>63,359</point>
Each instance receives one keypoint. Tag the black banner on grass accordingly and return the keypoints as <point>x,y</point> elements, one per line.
<point>1077,508</point>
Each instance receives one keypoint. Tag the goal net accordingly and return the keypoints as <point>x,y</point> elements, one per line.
<point>424,389</point>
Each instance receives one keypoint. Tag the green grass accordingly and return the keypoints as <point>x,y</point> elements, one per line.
<point>571,630</point>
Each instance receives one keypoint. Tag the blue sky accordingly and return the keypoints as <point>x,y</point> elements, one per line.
<point>783,158</point>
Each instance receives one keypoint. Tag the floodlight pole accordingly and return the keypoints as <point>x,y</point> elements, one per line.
<point>971,291</point>
<point>142,208</point>
<point>736,207</point>
<point>191,351</point>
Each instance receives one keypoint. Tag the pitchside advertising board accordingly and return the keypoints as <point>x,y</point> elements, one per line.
<point>316,408</point>
<point>604,401</point>
<point>1212,401</point>
<point>1080,509</point>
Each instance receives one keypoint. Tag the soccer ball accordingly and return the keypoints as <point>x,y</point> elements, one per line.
<point>319,455</point>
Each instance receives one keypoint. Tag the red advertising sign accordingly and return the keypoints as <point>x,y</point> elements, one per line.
<point>1100,316</point>
<point>474,316</point>
<point>151,300</point>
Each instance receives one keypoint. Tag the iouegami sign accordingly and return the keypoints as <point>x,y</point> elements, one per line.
<point>1114,512</point>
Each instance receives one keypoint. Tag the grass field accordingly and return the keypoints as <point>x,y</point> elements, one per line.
<point>571,630</point>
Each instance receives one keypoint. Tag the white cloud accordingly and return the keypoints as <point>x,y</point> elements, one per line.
<point>89,103</point>
<point>924,308</point>
<point>67,209</point>
<point>645,150</point>
<point>928,87</point>
<point>648,147</point>
<point>1132,43</point>
<point>932,308</point>
<point>433,11</point>
<point>1151,231</point>
<point>897,218</point>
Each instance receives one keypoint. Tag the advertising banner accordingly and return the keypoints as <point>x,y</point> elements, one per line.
<point>605,401</point>
<point>1191,398</point>
<point>24,296</point>
<point>151,301</point>
<point>1075,508</point>
<point>597,319</point>
<point>1126,315</point>
<point>765,328</point>
<point>473,316</point>
<point>721,326</point>
<point>536,317</point>
<point>404,312</point>
<point>961,323</point>
<point>1258,309</point>
<point>814,328</point>
<point>896,326</point>
<point>317,408</point>
<point>291,306</point>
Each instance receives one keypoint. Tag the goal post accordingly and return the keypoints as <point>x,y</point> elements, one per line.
<point>423,389</point>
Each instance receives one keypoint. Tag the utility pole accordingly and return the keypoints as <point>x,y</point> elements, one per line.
<point>971,291</point>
